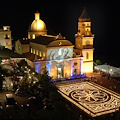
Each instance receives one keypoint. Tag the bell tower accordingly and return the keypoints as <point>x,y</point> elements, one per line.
<point>84,41</point>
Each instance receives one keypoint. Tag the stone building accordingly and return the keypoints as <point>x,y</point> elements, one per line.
<point>5,37</point>
<point>56,52</point>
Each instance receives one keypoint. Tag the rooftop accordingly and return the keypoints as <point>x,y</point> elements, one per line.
<point>7,53</point>
<point>24,41</point>
<point>30,56</point>
<point>43,39</point>
<point>47,39</point>
<point>84,16</point>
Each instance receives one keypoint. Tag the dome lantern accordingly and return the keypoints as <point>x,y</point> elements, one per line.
<point>37,15</point>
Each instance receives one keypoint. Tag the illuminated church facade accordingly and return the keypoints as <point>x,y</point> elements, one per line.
<point>56,53</point>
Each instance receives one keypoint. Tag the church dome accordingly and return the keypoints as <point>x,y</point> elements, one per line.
<point>38,24</point>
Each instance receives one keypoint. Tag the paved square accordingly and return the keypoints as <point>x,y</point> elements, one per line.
<point>91,98</point>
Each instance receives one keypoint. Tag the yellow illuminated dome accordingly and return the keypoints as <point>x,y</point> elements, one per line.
<point>38,24</point>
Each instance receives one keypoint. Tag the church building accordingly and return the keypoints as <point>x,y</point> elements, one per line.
<point>56,53</point>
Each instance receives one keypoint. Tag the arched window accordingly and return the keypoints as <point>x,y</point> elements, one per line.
<point>87,42</point>
<point>36,52</point>
<point>40,53</point>
<point>33,36</point>
<point>83,24</point>
<point>6,37</point>
<point>31,50</point>
<point>88,32</point>
<point>87,24</point>
<point>43,54</point>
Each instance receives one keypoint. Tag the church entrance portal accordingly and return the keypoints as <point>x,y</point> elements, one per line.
<point>60,72</point>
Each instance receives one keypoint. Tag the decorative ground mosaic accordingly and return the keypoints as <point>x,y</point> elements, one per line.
<point>91,98</point>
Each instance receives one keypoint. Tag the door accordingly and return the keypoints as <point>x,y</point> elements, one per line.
<point>60,72</point>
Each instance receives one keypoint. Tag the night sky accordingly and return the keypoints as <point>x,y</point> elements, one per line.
<point>62,17</point>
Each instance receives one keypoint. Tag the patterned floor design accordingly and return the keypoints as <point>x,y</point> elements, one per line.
<point>91,98</point>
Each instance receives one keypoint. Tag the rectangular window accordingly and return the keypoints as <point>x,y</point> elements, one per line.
<point>31,50</point>
<point>87,55</point>
<point>36,52</point>
<point>43,54</point>
<point>33,36</point>
<point>40,53</point>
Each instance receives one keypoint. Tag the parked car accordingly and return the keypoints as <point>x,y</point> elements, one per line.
<point>10,101</point>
